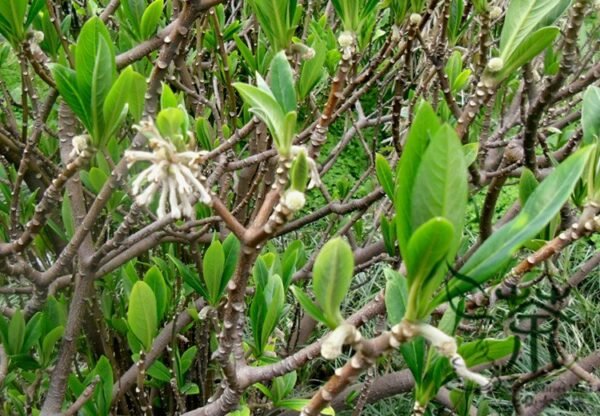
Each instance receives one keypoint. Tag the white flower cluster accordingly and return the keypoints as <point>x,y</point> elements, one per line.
<point>176,174</point>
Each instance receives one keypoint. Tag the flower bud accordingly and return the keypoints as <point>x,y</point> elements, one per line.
<point>495,64</point>
<point>294,200</point>
<point>495,12</point>
<point>346,39</point>
<point>415,19</point>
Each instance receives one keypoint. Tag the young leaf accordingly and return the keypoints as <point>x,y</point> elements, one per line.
<point>332,275</point>
<point>388,231</point>
<point>488,350</point>
<point>16,333</point>
<point>213,265</point>
<point>384,175</point>
<point>396,296</point>
<point>308,305</point>
<point>66,83</point>
<point>440,185</point>
<point>312,70</point>
<point>590,115</point>
<point>423,127</point>
<point>527,185</point>
<point>156,281</point>
<point>528,49</point>
<point>282,82</point>
<point>231,250</point>
<point>151,18</point>
<point>141,314</point>
<point>522,18</point>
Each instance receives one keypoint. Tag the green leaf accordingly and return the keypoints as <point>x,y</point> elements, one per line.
<point>276,19</point>
<point>312,70</point>
<point>388,231</point>
<point>527,185</point>
<point>488,350</point>
<point>299,404</point>
<point>97,179</point>
<point>33,331</point>
<point>425,259</point>
<point>384,175</point>
<point>396,296</point>
<point>426,248</point>
<point>156,281</point>
<point>13,12</point>
<point>213,265</point>
<point>523,17</point>
<point>66,83</point>
<point>528,49</point>
<point>231,249</point>
<point>440,185</point>
<point>95,70</point>
<point>282,82</point>
<point>16,333</point>
<point>423,127</point>
<point>151,18</point>
<point>470,152</point>
<point>141,314</point>
<point>541,207</point>
<point>66,212</point>
<point>103,395</point>
<point>128,90</point>
<point>299,173</point>
<point>274,298</point>
<point>49,342</point>
<point>590,115</point>
<point>332,275</point>
<point>308,305</point>
<point>266,107</point>
<point>160,372</point>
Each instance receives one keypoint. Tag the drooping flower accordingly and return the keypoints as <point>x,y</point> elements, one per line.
<point>80,144</point>
<point>175,172</point>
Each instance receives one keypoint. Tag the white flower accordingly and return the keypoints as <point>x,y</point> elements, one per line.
<point>175,174</point>
<point>80,144</point>
<point>313,170</point>
<point>294,200</point>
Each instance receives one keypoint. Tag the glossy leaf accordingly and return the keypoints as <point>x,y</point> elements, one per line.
<point>527,185</point>
<point>332,275</point>
<point>151,18</point>
<point>154,278</point>
<point>141,314</point>
<point>308,305</point>
<point>528,49</point>
<point>590,115</point>
<point>282,82</point>
<point>488,350</point>
<point>523,17</point>
<point>424,125</point>
<point>213,265</point>
<point>16,333</point>
<point>440,185</point>
<point>312,70</point>
<point>384,175</point>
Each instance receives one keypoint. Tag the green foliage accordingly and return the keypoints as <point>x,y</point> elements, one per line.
<point>142,315</point>
<point>541,206</point>
<point>275,109</point>
<point>277,19</point>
